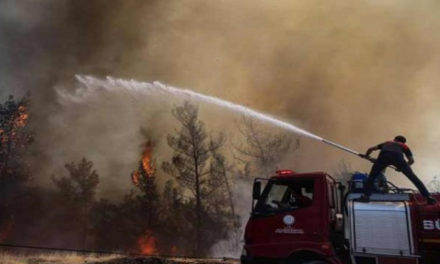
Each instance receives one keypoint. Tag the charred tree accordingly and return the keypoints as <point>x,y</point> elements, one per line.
<point>189,165</point>
<point>149,198</point>
<point>147,201</point>
<point>133,224</point>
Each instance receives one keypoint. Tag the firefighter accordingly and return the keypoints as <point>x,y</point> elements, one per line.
<point>391,153</point>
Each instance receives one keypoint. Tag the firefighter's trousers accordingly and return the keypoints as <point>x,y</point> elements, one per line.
<point>387,158</point>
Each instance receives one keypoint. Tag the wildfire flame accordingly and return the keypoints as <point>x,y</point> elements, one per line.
<point>10,132</point>
<point>135,177</point>
<point>146,159</point>
<point>3,137</point>
<point>148,168</point>
<point>22,116</point>
<point>18,121</point>
<point>147,244</point>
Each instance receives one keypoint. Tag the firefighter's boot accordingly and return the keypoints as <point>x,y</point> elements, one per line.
<point>363,199</point>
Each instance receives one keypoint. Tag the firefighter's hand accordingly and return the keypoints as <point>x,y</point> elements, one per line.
<point>373,160</point>
<point>363,156</point>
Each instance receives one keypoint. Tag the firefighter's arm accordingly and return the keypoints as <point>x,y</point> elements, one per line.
<point>367,154</point>
<point>410,160</point>
<point>409,156</point>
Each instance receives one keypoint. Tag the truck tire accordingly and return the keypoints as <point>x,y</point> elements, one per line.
<point>246,260</point>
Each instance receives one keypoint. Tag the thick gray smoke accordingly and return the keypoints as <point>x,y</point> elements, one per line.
<point>354,72</point>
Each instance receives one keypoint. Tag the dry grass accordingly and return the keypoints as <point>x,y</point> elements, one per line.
<point>70,258</point>
<point>203,261</point>
<point>54,258</point>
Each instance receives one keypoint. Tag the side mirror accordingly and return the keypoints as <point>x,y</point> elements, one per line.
<point>256,191</point>
<point>339,222</point>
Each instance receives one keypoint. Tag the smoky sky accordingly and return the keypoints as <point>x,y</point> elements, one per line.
<point>357,72</point>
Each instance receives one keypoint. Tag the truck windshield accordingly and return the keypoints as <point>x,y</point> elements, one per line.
<point>285,195</point>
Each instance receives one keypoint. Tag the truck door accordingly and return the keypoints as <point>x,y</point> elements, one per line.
<point>288,216</point>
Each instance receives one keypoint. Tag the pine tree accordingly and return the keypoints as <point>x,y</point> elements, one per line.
<point>149,197</point>
<point>147,201</point>
<point>190,165</point>
<point>77,191</point>
<point>263,151</point>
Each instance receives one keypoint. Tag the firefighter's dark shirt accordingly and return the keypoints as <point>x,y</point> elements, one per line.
<point>393,146</point>
<point>391,153</point>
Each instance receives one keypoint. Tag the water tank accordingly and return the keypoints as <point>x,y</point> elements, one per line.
<point>381,227</point>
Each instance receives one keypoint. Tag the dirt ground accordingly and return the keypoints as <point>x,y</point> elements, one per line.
<point>143,260</point>
<point>62,258</point>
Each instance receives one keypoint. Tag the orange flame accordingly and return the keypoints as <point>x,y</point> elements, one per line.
<point>148,168</point>
<point>135,177</point>
<point>146,159</point>
<point>147,244</point>
<point>19,121</point>
<point>4,138</point>
<point>22,117</point>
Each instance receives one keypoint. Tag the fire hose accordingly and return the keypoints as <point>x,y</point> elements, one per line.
<point>336,145</point>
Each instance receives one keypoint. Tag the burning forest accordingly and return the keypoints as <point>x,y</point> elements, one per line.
<point>96,155</point>
<point>195,201</point>
<point>183,204</point>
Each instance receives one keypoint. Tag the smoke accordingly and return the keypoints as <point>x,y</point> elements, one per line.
<point>357,73</point>
<point>233,244</point>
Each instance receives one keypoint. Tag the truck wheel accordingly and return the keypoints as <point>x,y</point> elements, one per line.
<point>305,261</point>
<point>246,260</point>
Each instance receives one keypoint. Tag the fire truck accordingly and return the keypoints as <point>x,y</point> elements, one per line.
<point>310,218</point>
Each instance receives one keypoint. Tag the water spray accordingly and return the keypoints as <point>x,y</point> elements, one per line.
<point>90,83</point>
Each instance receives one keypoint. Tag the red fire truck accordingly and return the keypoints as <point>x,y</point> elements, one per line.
<point>309,218</point>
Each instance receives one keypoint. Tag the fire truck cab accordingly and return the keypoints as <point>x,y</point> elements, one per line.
<point>308,218</point>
